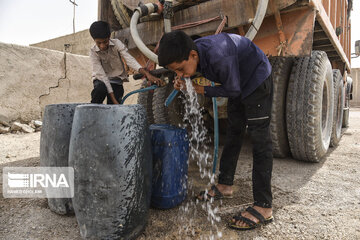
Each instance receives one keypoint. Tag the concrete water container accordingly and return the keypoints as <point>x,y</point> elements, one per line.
<point>54,146</point>
<point>111,155</point>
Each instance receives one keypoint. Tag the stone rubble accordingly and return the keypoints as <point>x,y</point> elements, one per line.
<point>4,121</point>
<point>38,123</point>
<point>4,129</point>
<point>32,124</point>
<point>17,127</point>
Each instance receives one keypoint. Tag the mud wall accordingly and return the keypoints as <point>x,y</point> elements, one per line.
<point>31,78</point>
<point>78,43</point>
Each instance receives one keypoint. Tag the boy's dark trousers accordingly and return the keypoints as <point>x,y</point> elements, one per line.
<point>253,111</point>
<point>99,92</point>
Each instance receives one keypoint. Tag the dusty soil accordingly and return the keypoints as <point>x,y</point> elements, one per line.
<point>311,201</point>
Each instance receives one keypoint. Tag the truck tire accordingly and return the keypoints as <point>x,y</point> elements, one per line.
<point>54,146</point>
<point>145,99</point>
<point>110,151</point>
<point>173,114</point>
<point>281,68</point>
<point>338,108</point>
<point>309,107</point>
<point>121,13</point>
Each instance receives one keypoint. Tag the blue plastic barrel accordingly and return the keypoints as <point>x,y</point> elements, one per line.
<point>170,147</point>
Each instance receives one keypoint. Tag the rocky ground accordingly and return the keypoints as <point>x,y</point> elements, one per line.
<point>311,200</point>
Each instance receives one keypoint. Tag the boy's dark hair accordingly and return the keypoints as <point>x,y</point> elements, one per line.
<point>100,29</point>
<point>175,47</point>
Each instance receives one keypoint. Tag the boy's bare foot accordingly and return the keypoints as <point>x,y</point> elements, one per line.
<point>225,191</point>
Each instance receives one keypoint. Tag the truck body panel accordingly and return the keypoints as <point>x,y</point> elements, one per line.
<point>305,25</point>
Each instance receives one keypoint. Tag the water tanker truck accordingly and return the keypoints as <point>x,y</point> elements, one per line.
<point>307,42</point>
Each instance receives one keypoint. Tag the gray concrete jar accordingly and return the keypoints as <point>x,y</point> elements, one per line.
<point>111,155</point>
<point>54,146</point>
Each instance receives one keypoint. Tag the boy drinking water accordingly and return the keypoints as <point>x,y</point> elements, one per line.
<point>244,73</point>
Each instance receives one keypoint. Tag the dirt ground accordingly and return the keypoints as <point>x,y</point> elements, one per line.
<point>311,200</point>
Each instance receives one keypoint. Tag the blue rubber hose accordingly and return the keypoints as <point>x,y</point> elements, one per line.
<point>171,97</point>
<point>138,91</point>
<point>216,131</point>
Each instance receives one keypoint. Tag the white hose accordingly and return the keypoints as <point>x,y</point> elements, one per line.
<point>137,40</point>
<point>258,19</point>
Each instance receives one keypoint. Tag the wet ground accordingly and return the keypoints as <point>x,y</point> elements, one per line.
<point>311,200</point>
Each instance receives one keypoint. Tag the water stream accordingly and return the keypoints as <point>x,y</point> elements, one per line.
<point>201,153</point>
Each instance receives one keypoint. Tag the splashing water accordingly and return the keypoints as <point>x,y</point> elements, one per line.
<point>200,152</point>
<point>198,136</point>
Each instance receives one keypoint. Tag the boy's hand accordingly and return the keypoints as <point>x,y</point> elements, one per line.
<point>151,78</point>
<point>179,84</point>
<point>155,80</point>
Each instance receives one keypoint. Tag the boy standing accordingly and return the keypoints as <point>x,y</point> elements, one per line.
<point>109,71</point>
<point>244,73</point>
